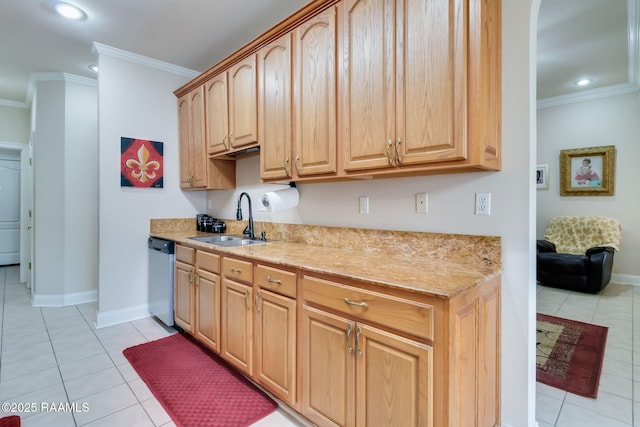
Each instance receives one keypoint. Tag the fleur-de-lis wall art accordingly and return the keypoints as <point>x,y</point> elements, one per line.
<point>141,163</point>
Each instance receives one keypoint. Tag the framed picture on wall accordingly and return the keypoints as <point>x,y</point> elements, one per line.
<point>587,171</point>
<point>542,177</point>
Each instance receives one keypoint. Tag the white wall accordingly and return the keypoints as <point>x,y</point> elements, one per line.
<point>136,100</point>
<point>451,209</point>
<point>49,168</point>
<point>614,120</point>
<point>65,187</point>
<point>14,124</point>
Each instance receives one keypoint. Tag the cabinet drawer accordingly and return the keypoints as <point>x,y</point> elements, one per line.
<point>400,314</point>
<point>208,261</point>
<point>185,254</point>
<point>237,269</point>
<point>276,280</point>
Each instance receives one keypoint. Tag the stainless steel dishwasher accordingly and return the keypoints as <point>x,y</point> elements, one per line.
<point>161,266</point>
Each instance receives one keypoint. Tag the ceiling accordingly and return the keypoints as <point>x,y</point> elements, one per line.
<point>576,37</point>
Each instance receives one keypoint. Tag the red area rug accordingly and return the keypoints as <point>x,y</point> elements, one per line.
<point>569,354</point>
<point>195,387</point>
<point>10,421</point>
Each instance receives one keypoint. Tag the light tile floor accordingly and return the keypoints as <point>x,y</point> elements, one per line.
<point>55,356</point>
<point>618,402</point>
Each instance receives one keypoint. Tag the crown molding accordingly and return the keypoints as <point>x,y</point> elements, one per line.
<point>35,78</point>
<point>101,49</point>
<point>633,74</point>
<point>588,95</point>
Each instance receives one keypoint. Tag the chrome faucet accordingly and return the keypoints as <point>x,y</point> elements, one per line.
<point>248,229</point>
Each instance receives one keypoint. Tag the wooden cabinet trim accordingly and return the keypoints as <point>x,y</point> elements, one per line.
<point>237,269</point>
<point>276,280</point>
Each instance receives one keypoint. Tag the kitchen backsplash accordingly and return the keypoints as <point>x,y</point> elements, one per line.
<point>461,248</point>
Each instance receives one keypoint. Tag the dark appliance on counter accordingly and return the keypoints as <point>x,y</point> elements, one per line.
<point>209,224</point>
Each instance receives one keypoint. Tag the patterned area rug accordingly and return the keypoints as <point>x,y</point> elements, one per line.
<point>195,387</point>
<point>569,354</point>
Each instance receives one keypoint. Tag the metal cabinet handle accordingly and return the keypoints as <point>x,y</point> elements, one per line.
<point>231,137</point>
<point>297,164</point>
<point>224,143</point>
<point>286,169</point>
<point>258,302</point>
<point>246,299</point>
<point>398,142</point>
<point>274,281</point>
<point>196,281</point>
<point>389,144</point>
<point>236,270</point>
<point>358,304</point>
<point>349,332</point>
<point>358,351</point>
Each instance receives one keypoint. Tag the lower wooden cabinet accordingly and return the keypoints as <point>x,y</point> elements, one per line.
<point>346,353</point>
<point>183,312</point>
<point>208,309</point>
<point>275,344</point>
<point>237,325</point>
<point>357,375</point>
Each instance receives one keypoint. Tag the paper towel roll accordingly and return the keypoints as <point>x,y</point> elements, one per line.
<point>273,201</point>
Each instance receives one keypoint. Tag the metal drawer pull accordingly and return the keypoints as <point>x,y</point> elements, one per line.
<point>389,144</point>
<point>274,281</point>
<point>236,270</point>
<point>349,332</point>
<point>398,142</point>
<point>358,304</point>
<point>246,299</point>
<point>358,351</point>
<point>258,302</point>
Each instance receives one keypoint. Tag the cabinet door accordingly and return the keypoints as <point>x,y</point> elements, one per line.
<point>394,380</point>
<point>328,368</point>
<point>431,81</point>
<point>243,107</point>
<point>183,297</point>
<point>217,114</point>
<point>275,344</point>
<point>315,94</point>
<point>368,95</point>
<point>208,309</point>
<point>274,103</point>
<point>184,135</point>
<point>236,334</point>
<point>197,148</point>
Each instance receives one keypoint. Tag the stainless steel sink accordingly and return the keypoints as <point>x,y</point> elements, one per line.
<point>227,240</point>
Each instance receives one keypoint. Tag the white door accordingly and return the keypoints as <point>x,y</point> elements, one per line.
<point>9,211</point>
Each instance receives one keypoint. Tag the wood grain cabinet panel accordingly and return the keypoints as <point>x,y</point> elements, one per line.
<point>243,107</point>
<point>315,94</point>
<point>274,101</point>
<point>184,297</point>
<point>208,309</point>
<point>237,325</point>
<point>275,344</point>
<point>217,114</point>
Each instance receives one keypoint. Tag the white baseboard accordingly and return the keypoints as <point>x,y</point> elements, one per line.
<point>625,279</point>
<point>115,317</point>
<point>64,300</point>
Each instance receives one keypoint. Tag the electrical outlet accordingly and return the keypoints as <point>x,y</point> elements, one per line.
<point>422,203</point>
<point>364,204</point>
<point>483,203</point>
<point>210,203</point>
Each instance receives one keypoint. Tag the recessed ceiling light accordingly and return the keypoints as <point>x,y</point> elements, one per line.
<point>69,11</point>
<point>583,82</point>
<point>94,68</point>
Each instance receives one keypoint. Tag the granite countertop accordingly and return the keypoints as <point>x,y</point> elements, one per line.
<point>433,277</point>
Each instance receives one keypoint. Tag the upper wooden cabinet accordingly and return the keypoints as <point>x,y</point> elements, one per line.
<point>404,82</point>
<point>197,171</point>
<point>193,167</point>
<point>363,88</point>
<point>231,116</point>
<point>315,99</point>
<point>274,103</point>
